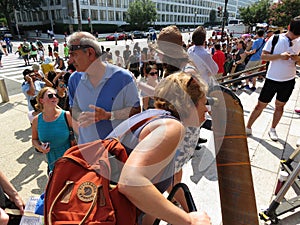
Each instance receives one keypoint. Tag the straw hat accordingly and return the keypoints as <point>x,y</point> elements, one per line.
<point>169,42</point>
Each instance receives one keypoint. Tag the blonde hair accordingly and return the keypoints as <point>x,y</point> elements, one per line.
<point>39,106</point>
<point>179,93</point>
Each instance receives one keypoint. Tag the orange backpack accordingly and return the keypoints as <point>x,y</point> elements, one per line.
<point>79,190</point>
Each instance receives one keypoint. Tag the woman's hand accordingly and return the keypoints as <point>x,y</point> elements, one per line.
<point>199,218</point>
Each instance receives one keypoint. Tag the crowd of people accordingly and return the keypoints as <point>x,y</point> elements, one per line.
<point>97,90</point>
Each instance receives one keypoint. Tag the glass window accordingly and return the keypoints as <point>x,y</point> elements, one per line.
<point>102,2</point>
<point>84,14</point>
<point>94,14</point>
<point>102,15</point>
<point>93,2</point>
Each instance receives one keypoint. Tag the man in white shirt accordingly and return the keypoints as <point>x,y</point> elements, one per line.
<point>201,58</point>
<point>280,77</point>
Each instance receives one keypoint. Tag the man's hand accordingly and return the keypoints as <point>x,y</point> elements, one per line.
<point>86,119</point>
<point>285,56</point>
<point>296,58</point>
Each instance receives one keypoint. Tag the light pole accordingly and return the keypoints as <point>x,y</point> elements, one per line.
<point>50,17</point>
<point>224,17</point>
<point>195,19</point>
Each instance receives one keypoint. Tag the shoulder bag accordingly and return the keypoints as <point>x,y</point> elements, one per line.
<point>72,138</point>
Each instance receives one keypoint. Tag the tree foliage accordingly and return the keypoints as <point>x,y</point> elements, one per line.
<point>282,13</point>
<point>8,6</point>
<point>277,14</point>
<point>213,15</point>
<point>258,12</point>
<point>141,13</point>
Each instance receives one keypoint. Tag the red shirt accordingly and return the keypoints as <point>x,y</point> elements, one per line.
<point>219,58</point>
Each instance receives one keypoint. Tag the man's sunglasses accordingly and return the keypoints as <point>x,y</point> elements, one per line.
<point>77,47</point>
<point>62,85</point>
<point>153,73</point>
<point>51,95</point>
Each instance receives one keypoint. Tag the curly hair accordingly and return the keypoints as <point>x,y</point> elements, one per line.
<point>179,93</point>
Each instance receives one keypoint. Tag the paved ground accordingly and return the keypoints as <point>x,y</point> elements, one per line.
<point>27,169</point>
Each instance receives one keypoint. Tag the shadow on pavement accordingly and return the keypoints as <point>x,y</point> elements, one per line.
<point>23,135</point>
<point>31,171</point>
<point>273,149</point>
<point>292,219</point>
<point>5,107</point>
<point>203,165</point>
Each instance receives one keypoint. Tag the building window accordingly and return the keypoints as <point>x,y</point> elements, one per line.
<point>94,14</point>
<point>118,3</point>
<point>110,3</point>
<point>119,16</point>
<point>93,2</point>
<point>84,14</point>
<point>84,2</point>
<point>102,2</point>
<point>57,2</point>
<point>110,15</point>
<point>102,15</point>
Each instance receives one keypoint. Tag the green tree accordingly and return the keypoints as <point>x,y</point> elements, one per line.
<point>282,13</point>
<point>8,6</point>
<point>141,13</point>
<point>256,13</point>
<point>213,15</point>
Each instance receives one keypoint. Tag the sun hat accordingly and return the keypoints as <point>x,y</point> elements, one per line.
<point>169,42</point>
<point>35,66</point>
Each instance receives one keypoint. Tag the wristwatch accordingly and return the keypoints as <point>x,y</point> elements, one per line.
<point>112,116</point>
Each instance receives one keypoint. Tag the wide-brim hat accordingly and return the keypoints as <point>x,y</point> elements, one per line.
<point>169,43</point>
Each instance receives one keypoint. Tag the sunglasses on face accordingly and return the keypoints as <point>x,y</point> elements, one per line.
<point>62,85</point>
<point>51,95</point>
<point>153,73</point>
<point>77,47</point>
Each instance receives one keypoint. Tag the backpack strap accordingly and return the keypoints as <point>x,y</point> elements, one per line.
<point>135,121</point>
<point>274,42</point>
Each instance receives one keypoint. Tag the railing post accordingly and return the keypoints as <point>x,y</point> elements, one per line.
<point>3,91</point>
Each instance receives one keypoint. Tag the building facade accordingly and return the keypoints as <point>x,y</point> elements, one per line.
<point>180,12</point>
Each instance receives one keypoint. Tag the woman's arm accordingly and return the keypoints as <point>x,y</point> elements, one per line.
<point>158,142</point>
<point>35,137</point>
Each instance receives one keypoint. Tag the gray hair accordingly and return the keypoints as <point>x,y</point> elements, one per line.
<point>85,38</point>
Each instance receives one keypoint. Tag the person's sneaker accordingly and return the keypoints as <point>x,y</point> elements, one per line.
<point>253,89</point>
<point>297,110</point>
<point>248,131</point>
<point>247,87</point>
<point>273,135</point>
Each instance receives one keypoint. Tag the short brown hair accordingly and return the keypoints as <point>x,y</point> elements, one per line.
<point>199,36</point>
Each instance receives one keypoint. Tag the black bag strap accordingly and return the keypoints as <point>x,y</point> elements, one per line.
<point>261,46</point>
<point>274,42</point>
<point>66,119</point>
